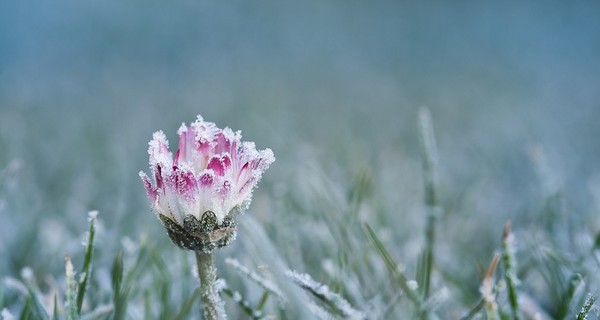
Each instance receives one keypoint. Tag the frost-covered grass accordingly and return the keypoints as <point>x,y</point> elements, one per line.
<point>310,247</point>
<point>367,210</point>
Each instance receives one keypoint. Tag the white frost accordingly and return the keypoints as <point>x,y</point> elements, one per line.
<point>220,284</point>
<point>306,282</point>
<point>264,283</point>
<point>412,284</point>
<point>6,315</point>
<point>92,215</point>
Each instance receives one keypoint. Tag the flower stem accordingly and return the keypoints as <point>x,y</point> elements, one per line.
<point>213,305</point>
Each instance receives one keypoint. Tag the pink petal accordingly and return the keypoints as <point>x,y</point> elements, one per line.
<point>158,176</point>
<point>186,143</point>
<point>233,149</point>
<point>185,183</point>
<point>225,188</point>
<point>152,194</point>
<point>223,144</point>
<point>203,134</point>
<point>242,171</point>
<point>203,146</point>
<point>254,163</point>
<point>264,160</point>
<point>158,149</point>
<point>217,165</point>
<point>247,169</point>
<point>206,179</point>
<point>249,184</point>
<point>176,160</point>
<point>226,160</point>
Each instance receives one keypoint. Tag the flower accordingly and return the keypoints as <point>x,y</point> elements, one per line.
<point>198,194</point>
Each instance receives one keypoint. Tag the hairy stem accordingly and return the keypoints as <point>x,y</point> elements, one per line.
<point>213,305</point>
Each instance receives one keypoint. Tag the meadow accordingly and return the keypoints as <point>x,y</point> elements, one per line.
<point>433,160</point>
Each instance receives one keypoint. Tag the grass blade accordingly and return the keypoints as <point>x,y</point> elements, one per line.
<point>575,284</point>
<point>587,306</point>
<point>2,297</point>
<point>262,301</point>
<point>187,306</point>
<point>243,304</point>
<point>33,307</point>
<point>475,310</point>
<point>117,273</point>
<point>71,295</point>
<point>392,266</point>
<point>119,293</point>
<point>510,272</point>
<point>429,164</point>
<point>361,188</point>
<point>487,289</point>
<point>140,261</point>
<point>430,157</point>
<point>322,292</point>
<point>264,283</point>
<point>87,262</point>
<point>27,312</point>
<point>165,305</point>
<point>101,312</point>
<point>55,315</point>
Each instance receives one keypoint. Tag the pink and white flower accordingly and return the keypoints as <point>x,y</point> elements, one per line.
<point>213,172</point>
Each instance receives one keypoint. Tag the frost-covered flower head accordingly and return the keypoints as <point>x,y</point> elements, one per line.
<point>198,193</point>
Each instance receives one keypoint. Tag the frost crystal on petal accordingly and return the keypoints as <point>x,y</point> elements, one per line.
<point>212,171</point>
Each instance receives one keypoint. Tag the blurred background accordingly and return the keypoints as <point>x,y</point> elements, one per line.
<point>333,87</point>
